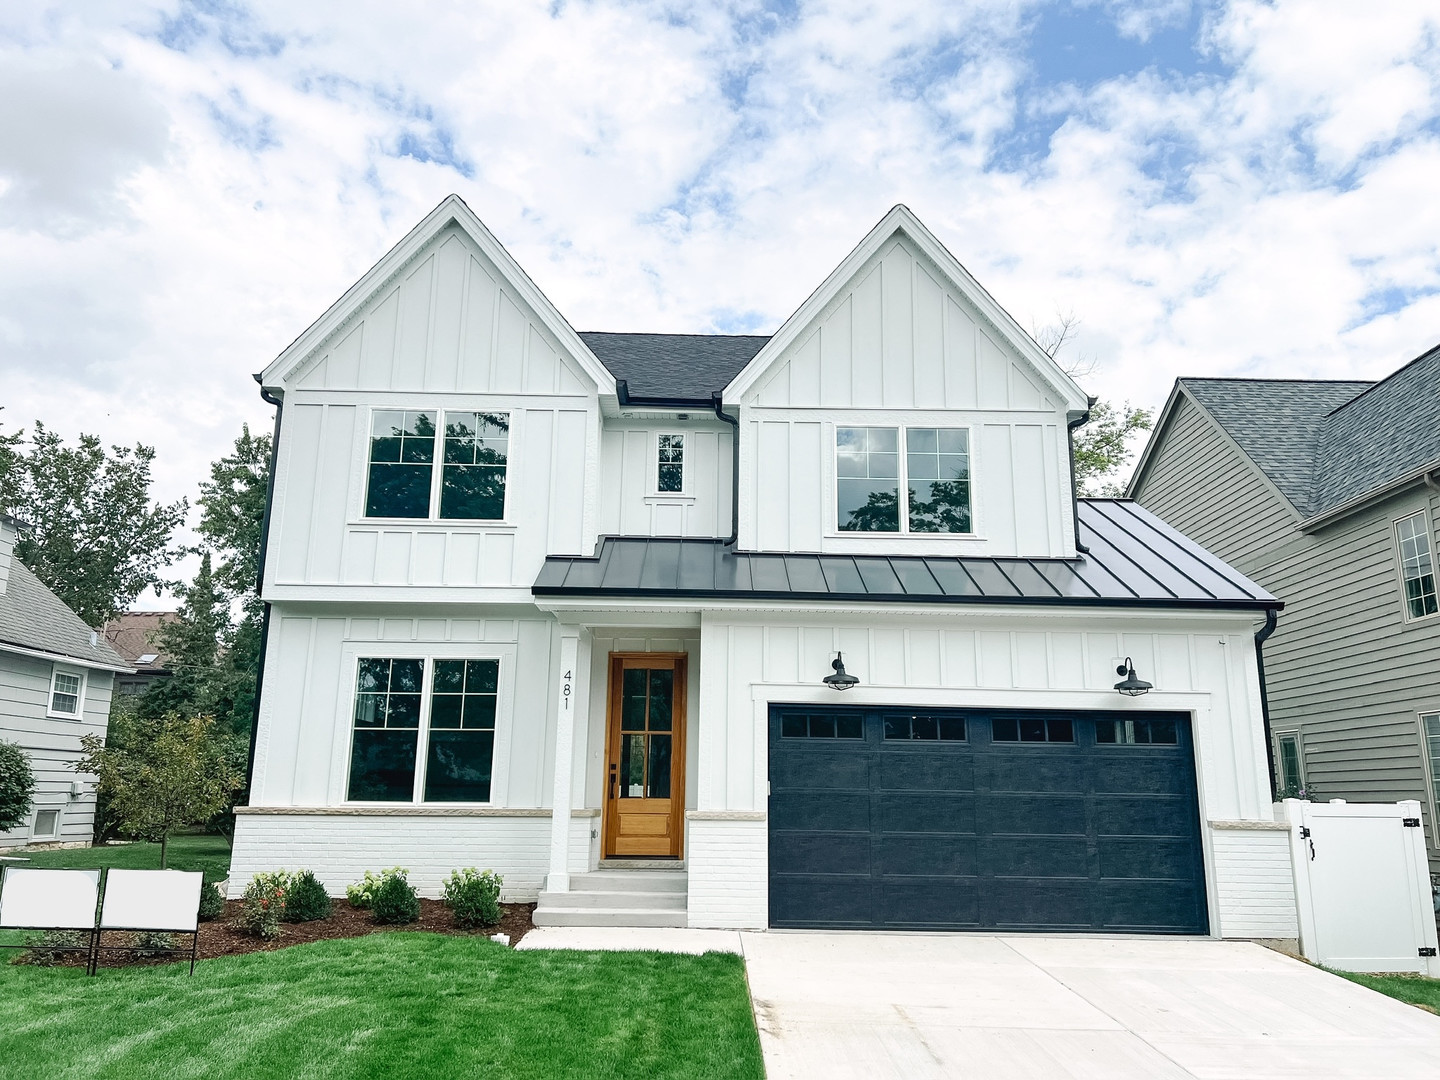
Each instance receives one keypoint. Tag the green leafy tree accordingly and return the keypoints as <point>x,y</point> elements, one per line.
<point>17,786</point>
<point>232,512</point>
<point>192,644</point>
<point>96,538</point>
<point>172,771</point>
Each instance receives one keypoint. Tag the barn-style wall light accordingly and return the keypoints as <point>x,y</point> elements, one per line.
<point>842,679</point>
<point>1131,685</point>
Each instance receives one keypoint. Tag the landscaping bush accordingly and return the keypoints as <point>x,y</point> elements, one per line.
<point>212,903</point>
<point>306,899</point>
<point>265,904</point>
<point>54,946</point>
<point>394,900</point>
<point>17,786</point>
<point>362,892</point>
<point>151,943</point>
<point>473,898</point>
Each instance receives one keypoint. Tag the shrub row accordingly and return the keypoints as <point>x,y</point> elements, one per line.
<point>280,896</point>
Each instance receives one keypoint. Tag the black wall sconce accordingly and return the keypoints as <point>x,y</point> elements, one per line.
<point>842,679</point>
<point>1132,685</point>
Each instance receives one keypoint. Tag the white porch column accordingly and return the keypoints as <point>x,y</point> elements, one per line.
<point>567,692</point>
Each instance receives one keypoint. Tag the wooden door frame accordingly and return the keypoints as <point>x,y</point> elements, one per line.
<point>679,713</point>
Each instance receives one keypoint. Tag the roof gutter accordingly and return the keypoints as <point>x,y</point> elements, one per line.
<point>1272,617</point>
<point>1070,428</point>
<point>717,399</point>
<point>1349,506</point>
<point>279,404</point>
<point>625,400</point>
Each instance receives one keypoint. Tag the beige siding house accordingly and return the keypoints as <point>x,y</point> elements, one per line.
<point>1328,494</point>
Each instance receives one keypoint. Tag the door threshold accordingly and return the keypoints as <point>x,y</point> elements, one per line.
<point>642,862</point>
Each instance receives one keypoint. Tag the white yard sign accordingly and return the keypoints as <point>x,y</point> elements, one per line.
<point>48,899</point>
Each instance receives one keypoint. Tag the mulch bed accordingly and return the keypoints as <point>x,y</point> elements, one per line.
<point>223,937</point>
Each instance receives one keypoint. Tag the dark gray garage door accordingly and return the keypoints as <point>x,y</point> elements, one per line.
<point>969,819</point>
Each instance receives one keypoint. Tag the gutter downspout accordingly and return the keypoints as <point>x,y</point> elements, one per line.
<point>279,404</point>
<point>717,399</point>
<point>1070,429</point>
<point>1271,618</point>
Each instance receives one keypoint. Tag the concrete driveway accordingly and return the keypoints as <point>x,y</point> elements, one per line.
<point>919,1006</point>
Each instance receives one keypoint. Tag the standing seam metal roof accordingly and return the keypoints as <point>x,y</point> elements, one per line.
<point>1135,559</point>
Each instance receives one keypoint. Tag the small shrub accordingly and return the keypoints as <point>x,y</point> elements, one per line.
<point>473,898</point>
<point>395,901</point>
<point>17,786</point>
<point>54,946</point>
<point>265,904</point>
<point>212,903</point>
<point>306,900</point>
<point>149,943</point>
<point>362,892</point>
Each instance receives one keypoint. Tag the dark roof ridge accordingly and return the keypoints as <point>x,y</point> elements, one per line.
<point>1267,378</point>
<point>1377,383</point>
<point>670,333</point>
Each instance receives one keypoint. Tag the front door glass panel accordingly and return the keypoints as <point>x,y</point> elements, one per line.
<point>647,699</point>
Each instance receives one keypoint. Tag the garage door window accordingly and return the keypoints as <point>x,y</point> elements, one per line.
<point>1054,729</point>
<point>833,726</point>
<point>1136,731</point>
<point>930,728</point>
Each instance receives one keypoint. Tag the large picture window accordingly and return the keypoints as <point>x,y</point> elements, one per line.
<point>423,730</point>
<point>474,454</point>
<point>1417,566</point>
<point>902,480</point>
<point>402,454</point>
<point>476,451</point>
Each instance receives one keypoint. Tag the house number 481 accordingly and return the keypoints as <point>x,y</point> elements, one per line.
<point>565,690</point>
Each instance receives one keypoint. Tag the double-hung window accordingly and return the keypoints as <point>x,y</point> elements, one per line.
<point>1417,566</point>
<point>902,480</point>
<point>67,692</point>
<point>423,730</point>
<point>670,464</point>
<point>473,450</point>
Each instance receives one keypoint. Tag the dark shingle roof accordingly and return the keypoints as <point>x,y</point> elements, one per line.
<point>33,617</point>
<point>1135,559</point>
<point>687,367</point>
<point>1277,422</point>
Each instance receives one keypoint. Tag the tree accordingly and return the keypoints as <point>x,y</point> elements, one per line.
<point>171,772</point>
<point>232,512</point>
<point>96,539</point>
<point>192,643</point>
<point>17,786</point>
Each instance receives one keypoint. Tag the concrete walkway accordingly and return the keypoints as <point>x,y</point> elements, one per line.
<point>1006,1008</point>
<point>631,939</point>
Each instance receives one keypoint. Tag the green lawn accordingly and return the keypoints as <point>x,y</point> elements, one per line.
<point>389,1005</point>
<point>1415,989</point>
<point>208,853</point>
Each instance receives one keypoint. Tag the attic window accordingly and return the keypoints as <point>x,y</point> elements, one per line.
<point>148,658</point>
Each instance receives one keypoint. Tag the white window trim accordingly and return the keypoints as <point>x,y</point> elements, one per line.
<point>1427,771</point>
<point>1423,513</point>
<point>79,713</point>
<point>1285,733</point>
<point>361,457</point>
<point>652,489</point>
<point>429,652</point>
<point>832,522</point>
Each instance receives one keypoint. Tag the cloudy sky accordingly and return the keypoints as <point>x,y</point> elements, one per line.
<point>1237,188</point>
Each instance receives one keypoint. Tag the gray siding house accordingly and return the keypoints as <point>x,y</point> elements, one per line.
<point>56,675</point>
<point>1328,495</point>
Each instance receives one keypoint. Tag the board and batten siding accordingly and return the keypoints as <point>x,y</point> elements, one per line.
<point>52,744</point>
<point>1198,482</point>
<point>630,504</point>
<point>900,346</point>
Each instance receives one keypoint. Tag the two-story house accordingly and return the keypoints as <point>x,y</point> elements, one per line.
<point>1328,493</point>
<point>806,630</point>
<point>56,677</point>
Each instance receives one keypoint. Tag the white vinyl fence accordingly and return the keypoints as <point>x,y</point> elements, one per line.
<point>1362,886</point>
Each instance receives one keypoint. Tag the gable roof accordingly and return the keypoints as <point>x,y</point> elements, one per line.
<point>452,210</point>
<point>902,220</point>
<point>33,618</point>
<point>134,634</point>
<point>1135,560</point>
<point>680,367</point>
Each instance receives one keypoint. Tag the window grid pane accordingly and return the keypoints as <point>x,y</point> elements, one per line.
<point>477,449</point>
<point>826,726</point>
<point>1417,568</point>
<point>867,484</point>
<point>459,760</point>
<point>671,464</point>
<point>937,462</point>
<point>402,453</point>
<point>66,697</point>
<point>386,730</point>
<point>1431,723</point>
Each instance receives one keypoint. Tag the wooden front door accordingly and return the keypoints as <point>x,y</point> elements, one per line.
<point>645,768</point>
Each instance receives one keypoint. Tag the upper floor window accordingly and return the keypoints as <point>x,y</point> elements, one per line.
<point>1417,566</point>
<point>475,454</point>
<point>902,480</point>
<point>670,464</point>
<point>66,692</point>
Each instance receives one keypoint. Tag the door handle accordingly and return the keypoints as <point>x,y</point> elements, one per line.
<point>612,781</point>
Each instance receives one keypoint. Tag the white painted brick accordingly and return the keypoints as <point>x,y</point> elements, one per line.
<point>728,863</point>
<point>1255,889</point>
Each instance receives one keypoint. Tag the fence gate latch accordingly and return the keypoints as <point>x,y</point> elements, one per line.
<point>1305,835</point>
<point>1426,951</point>
<point>1411,822</point>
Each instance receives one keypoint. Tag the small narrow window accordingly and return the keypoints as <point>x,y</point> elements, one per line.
<point>1292,772</point>
<point>937,463</point>
<point>867,479</point>
<point>477,447</point>
<point>1430,723</point>
<point>1417,567</point>
<point>1160,730</point>
<point>402,454</point>
<point>462,731</point>
<point>47,825</point>
<point>65,693</point>
<point>925,728</point>
<point>670,467</point>
<point>387,730</point>
<point>1055,729</point>
<point>823,726</point>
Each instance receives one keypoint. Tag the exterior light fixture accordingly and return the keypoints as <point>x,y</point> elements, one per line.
<point>842,679</point>
<point>1132,685</point>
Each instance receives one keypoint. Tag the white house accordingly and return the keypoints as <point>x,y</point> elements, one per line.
<point>56,676</point>
<point>561,605</point>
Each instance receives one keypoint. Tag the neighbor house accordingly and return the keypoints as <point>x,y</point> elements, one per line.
<point>583,608</point>
<point>56,675</point>
<point>135,635</point>
<point>1328,494</point>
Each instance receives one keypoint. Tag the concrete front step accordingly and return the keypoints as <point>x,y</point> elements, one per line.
<point>594,898</point>
<point>572,916</point>
<point>635,881</point>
